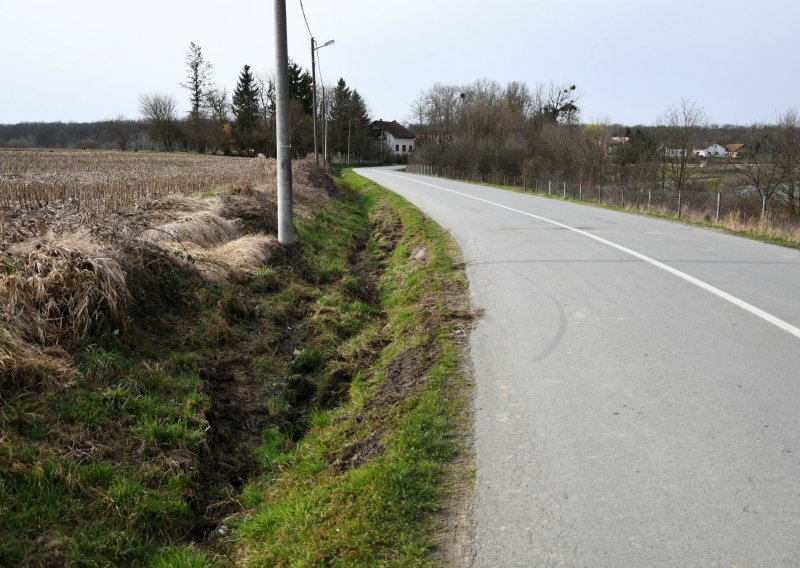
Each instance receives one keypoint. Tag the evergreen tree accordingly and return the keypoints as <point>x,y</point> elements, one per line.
<point>246,110</point>
<point>361,143</point>
<point>348,121</point>
<point>301,87</point>
<point>339,118</point>
<point>198,74</point>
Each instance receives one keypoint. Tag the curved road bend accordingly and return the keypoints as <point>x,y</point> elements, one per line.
<point>638,384</point>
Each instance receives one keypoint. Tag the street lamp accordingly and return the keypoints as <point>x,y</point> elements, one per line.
<point>314,48</point>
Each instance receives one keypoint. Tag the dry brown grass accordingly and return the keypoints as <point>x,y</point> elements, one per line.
<point>50,294</point>
<point>61,292</point>
<point>70,220</point>
<point>771,228</point>
<point>204,229</point>
<point>23,364</point>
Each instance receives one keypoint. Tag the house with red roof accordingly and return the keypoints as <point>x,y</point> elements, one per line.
<point>734,150</point>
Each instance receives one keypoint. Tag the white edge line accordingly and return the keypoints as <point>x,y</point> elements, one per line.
<point>766,316</point>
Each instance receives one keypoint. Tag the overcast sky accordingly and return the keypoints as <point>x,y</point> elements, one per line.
<point>84,60</point>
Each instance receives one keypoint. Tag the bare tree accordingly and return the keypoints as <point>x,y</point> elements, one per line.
<point>553,103</point>
<point>763,171</point>
<point>518,97</point>
<point>120,132</point>
<point>592,147</point>
<point>418,112</point>
<point>441,112</point>
<point>789,156</point>
<point>266,96</point>
<point>680,126</point>
<point>217,105</point>
<point>159,111</point>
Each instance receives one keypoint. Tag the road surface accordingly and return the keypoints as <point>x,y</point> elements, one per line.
<point>638,384</point>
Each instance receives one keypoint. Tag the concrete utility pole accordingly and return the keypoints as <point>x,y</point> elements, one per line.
<point>325,127</point>
<point>283,127</point>
<point>314,48</point>
<point>314,95</point>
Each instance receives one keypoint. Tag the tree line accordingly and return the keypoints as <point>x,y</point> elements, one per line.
<point>241,121</point>
<point>537,133</point>
<point>105,134</point>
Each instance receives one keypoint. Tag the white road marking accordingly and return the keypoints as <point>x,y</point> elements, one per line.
<point>766,316</point>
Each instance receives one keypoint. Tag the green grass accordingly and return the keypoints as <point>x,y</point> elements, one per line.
<point>71,493</point>
<point>309,510</point>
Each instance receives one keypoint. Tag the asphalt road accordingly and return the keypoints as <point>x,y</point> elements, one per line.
<point>638,384</point>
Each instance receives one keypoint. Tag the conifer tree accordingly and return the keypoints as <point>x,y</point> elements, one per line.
<point>348,121</point>
<point>246,111</point>
<point>198,75</point>
<point>301,87</point>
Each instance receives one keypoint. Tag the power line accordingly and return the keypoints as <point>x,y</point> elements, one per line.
<point>319,67</point>
<point>302,9</point>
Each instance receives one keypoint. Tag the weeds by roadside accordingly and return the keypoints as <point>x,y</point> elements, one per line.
<point>361,487</point>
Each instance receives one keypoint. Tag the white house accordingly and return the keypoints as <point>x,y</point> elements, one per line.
<point>713,149</point>
<point>395,137</point>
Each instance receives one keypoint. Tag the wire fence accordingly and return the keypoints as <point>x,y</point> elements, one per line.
<point>706,206</point>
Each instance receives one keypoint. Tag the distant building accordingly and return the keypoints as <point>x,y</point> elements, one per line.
<point>615,142</point>
<point>672,151</point>
<point>735,150</point>
<point>396,139</point>
<point>709,149</point>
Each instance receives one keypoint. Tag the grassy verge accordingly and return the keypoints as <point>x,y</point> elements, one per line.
<point>360,487</point>
<point>304,416</point>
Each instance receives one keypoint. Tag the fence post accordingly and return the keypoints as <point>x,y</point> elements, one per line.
<point>649,195</point>
<point>580,191</point>
<point>719,202</point>
<point>549,186</point>
<point>599,193</point>
<point>565,190</point>
<point>679,203</point>
<point>623,196</point>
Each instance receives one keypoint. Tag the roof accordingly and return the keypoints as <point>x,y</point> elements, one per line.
<point>394,128</point>
<point>733,147</point>
<point>618,140</point>
<point>706,144</point>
